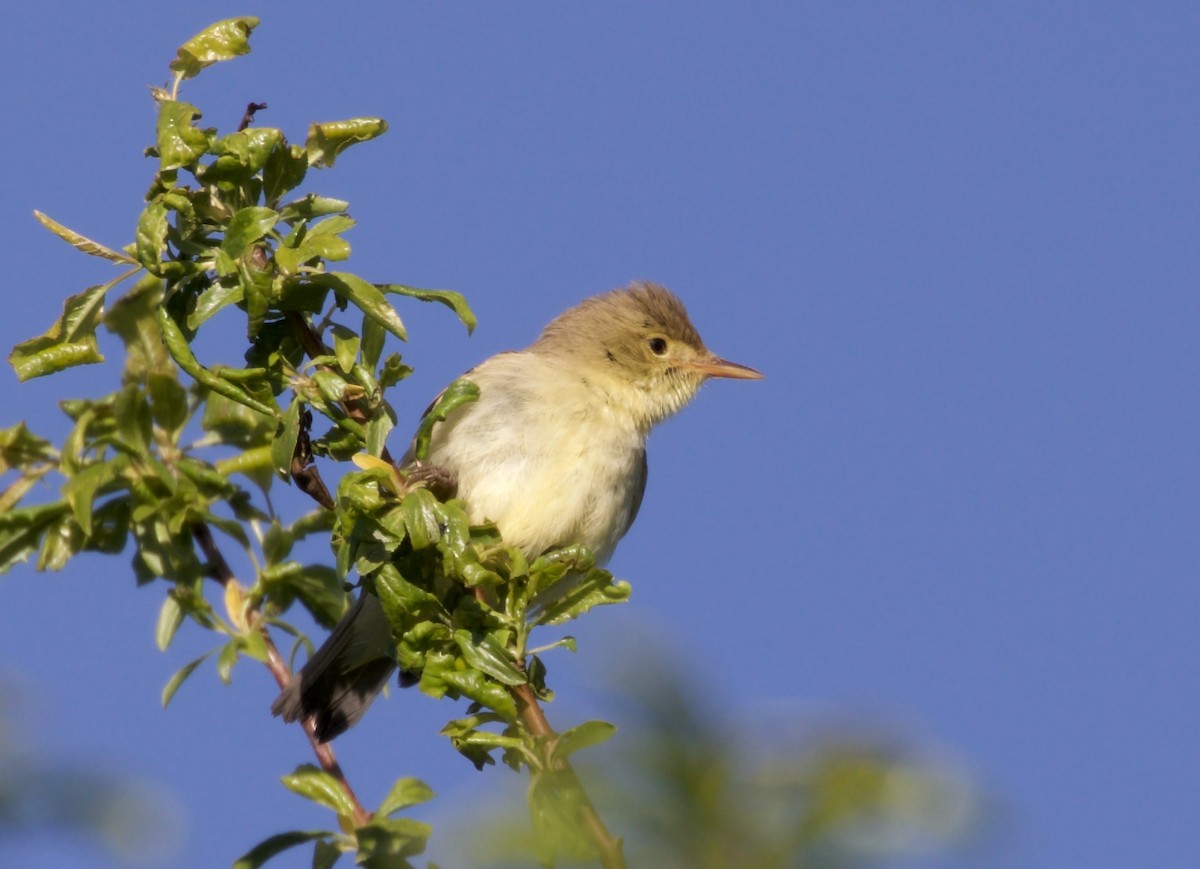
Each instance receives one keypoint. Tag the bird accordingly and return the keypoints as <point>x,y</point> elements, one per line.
<point>553,452</point>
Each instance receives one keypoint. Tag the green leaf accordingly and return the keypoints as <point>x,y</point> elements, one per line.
<point>366,297</point>
<point>474,685</point>
<point>277,844</point>
<point>404,793</point>
<point>245,152</point>
<point>224,40</point>
<point>373,336</point>
<point>170,617</point>
<point>215,297</point>
<point>584,736</point>
<point>345,347</point>
<point>20,448</point>
<point>70,341</point>
<point>283,447</point>
<point>80,490</point>
<point>180,143</point>
<point>489,656</point>
<point>452,300</point>
<point>133,320</point>
<point>82,242</point>
<point>326,141</point>
<point>310,206</point>
<point>459,392</point>
<point>21,530</point>
<point>284,170</point>
<point>151,236</point>
<point>393,838</point>
<point>180,677</point>
<point>319,786</point>
<point>596,588</point>
<point>247,226</point>
<point>326,854</point>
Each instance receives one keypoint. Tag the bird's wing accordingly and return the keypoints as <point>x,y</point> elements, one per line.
<point>639,489</point>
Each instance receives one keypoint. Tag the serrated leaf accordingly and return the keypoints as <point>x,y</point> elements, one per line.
<point>404,793</point>
<point>452,300</point>
<point>180,142</point>
<point>70,341</point>
<point>277,844</point>
<point>461,391</point>
<point>180,676</point>
<point>326,141</point>
<point>596,588</point>
<point>224,40</point>
<point>82,242</point>
<point>319,786</point>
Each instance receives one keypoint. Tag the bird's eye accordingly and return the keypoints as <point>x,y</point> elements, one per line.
<point>658,346</point>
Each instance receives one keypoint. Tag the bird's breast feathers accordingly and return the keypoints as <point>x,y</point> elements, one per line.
<point>543,455</point>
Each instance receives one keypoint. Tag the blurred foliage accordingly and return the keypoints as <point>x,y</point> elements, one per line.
<point>690,789</point>
<point>40,798</point>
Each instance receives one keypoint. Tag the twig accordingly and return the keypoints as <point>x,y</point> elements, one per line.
<point>280,670</point>
<point>251,110</point>
<point>608,846</point>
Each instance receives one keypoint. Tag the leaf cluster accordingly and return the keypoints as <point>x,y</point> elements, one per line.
<point>187,446</point>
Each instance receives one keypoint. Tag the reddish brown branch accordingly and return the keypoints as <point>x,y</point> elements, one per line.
<point>608,846</point>
<point>275,663</point>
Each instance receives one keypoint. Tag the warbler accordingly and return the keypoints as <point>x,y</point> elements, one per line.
<point>553,452</point>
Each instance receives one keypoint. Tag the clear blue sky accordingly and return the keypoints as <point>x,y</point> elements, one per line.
<point>961,239</point>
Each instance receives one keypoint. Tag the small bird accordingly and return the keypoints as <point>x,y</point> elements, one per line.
<point>553,452</point>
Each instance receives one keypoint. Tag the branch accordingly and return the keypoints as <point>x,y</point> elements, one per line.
<point>608,846</point>
<point>279,669</point>
<point>251,110</point>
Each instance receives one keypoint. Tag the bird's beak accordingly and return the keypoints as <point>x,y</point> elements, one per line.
<point>715,366</point>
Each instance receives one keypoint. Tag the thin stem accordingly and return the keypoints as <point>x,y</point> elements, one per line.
<point>279,669</point>
<point>608,846</point>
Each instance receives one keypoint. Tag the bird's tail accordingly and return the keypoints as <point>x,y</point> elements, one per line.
<point>342,677</point>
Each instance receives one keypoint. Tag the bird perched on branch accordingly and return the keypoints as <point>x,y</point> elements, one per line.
<point>553,452</point>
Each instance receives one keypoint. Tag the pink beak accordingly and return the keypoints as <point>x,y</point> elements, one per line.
<point>715,366</point>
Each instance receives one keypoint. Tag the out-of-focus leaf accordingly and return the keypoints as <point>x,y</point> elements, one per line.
<point>82,242</point>
<point>404,793</point>
<point>452,300</point>
<point>385,842</point>
<point>326,141</point>
<point>224,40</point>
<point>180,142</point>
<point>21,530</point>
<point>277,844</point>
<point>459,392</point>
<point>584,736</point>
<point>319,786</point>
<point>236,424</point>
<point>132,319</point>
<point>19,448</point>
<point>488,656</point>
<point>70,341</point>
<point>80,490</point>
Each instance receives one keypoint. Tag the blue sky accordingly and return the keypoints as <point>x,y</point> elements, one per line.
<point>960,240</point>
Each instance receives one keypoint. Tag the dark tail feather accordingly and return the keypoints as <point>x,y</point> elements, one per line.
<point>342,677</point>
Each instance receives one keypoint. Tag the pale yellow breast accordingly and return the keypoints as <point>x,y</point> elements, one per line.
<point>543,454</point>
